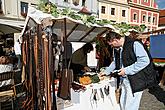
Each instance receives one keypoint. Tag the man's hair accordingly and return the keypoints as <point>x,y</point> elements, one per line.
<point>88,46</point>
<point>112,35</point>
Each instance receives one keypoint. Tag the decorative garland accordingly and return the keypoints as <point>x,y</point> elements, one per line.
<point>87,19</point>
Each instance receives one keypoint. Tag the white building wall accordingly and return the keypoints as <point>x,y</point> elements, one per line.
<point>12,8</point>
<point>91,5</point>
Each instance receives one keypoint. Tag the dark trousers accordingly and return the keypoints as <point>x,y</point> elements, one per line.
<point>158,92</point>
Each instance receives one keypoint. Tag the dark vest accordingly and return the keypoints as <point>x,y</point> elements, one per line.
<point>145,78</point>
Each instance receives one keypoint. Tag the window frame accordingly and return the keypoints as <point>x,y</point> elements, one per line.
<point>112,11</point>
<point>144,18</point>
<point>145,1</point>
<point>103,9</point>
<point>135,16</point>
<point>24,8</point>
<point>149,19</point>
<point>83,2</point>
<point>1,10</point>
<point>124,14</point>
<point>154,20</point>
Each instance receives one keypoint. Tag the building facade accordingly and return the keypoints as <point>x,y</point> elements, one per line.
<point>114,10</point>
<point>77,5</point>
<point>134,12</point>
<point>144,12</point>
<point>13,12</point>
<point>15,9</point>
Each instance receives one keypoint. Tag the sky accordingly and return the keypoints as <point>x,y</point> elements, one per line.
<point>161,4</point>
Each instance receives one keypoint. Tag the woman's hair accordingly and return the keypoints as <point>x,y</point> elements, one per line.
<point>112,35</point>
<point>88,46</point>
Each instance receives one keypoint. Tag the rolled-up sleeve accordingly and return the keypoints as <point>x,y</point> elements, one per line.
<point>142,60</point>
<point>109,69</point>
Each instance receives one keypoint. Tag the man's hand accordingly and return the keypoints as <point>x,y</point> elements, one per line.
<point>87,68</point>
<point>101,74</point>
<point>122,72</point>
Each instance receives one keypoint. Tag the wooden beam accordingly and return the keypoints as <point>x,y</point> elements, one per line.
<point>156,31</point>
<point>87,33</point>
<point>159,60</point>
<point>100,34</point>
<point>7,93</point>
<point>76,25</point>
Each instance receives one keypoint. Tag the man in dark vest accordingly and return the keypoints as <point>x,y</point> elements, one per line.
<point>137,72</point>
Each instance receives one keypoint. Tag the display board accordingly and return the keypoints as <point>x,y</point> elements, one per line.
<point>157,46</point>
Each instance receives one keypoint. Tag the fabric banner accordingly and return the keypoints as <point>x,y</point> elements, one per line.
<point>157,46</point>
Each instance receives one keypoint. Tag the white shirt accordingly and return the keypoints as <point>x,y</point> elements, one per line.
<point>17,48</point>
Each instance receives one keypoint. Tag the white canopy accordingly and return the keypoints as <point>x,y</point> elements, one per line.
<point>76,30</point>
<point>10,26</point>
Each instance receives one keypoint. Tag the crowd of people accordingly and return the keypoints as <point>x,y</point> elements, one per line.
<point>13,53</point>
<point>132,60</point>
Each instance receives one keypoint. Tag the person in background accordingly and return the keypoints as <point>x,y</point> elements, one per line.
<point>136,70</point>
<point>79,60</point>
<point>133,33</point>
<point>17,49</point>
<point>2,53</point>
<point>11,52</point>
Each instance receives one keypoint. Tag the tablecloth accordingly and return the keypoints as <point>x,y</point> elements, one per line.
<point>85,100</point>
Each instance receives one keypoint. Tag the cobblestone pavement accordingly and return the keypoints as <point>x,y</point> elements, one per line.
<point>149,102</point>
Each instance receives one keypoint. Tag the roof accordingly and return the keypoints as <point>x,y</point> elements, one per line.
<point>10,26</point>
<point>161,21</point>
<point>161,17</point>
<point>76,30</point>
<point>162,13</point>
<point>85,11</point>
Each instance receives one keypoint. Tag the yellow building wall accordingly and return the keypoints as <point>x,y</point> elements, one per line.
<point>118,12</point>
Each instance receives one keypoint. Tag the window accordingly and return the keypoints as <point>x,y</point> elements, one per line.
<point>144,18</point>
<point>0,6</point>
<point>123,13</point>
<point>75,2</point>
<point>153,20</point>
<point>149,19</point>
<point>24,7</point>
<point>83,2</point>
<point>103,9</point>
<point>135,16</point>
<point>112,11</point>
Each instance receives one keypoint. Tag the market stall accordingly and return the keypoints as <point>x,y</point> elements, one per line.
<point>37,44</point>
<point>8,60</point>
